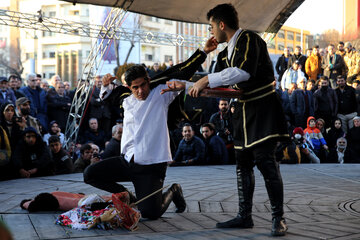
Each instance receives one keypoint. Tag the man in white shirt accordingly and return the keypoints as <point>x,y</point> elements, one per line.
<point>145,142</point>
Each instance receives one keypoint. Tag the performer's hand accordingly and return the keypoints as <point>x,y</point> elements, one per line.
<point>210,45</point>
<point>199,86</point>
<point>24,173</point>
<point>106,80</point>
<point>173,86</point>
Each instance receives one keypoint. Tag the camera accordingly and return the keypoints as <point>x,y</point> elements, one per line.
<point>96,155</point>
<point>17,119</point>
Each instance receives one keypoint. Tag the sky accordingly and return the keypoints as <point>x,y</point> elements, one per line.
<point>317,16</point>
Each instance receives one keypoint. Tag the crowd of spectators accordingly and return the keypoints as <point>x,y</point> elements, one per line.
<point>319,91</point>
<point>320,94</point>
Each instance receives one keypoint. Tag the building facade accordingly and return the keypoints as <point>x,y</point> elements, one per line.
<point>289,37</point>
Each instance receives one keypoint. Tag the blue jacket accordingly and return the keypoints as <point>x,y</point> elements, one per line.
<point>216,152</point>
<point>10,97</point>
<point>38,104</point>
<point>193,149</point>
<point>297,102</point>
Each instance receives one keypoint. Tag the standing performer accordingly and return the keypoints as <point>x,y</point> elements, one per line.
<point>258,119</point>
<point>145,142</point>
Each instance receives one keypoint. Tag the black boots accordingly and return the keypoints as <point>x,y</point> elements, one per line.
<point>178,198</point>
<point>173,194</point>
<point>279,227</point>
<point>237,222</point>
<point>246,185</point>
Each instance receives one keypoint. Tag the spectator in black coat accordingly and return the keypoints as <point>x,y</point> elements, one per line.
<point>357,95</point>
<point>32,157</point>
<point>100,109</point>
<point>215,152</point>
<point>191,149</point>
<point>63,163</point>
<point>297,56</point>
<point>282,63</point>
<point>334,134</point>
<point>112,148</point>
<point>59,106</point>
<point>94,134</point>
<point>353,138</point>
<point>347,103</point>
<point>222,122</point>
<point>326,102</point>
<point>302,104</point>
<point>11,124</point>
<point>339,154</point>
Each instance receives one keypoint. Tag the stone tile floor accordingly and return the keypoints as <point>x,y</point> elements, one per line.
<point>321,202</point>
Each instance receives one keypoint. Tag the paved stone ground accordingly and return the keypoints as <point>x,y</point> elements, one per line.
<point>321,202</point>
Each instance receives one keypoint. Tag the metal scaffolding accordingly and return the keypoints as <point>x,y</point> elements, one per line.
<point>55,25</point>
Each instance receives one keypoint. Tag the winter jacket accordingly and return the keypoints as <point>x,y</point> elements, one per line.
<point>329,96</point>
<point>313,66</point>
<point>315,135</point>
<point>38,104</point>
<point>334,67</point>
<point>281,66</point>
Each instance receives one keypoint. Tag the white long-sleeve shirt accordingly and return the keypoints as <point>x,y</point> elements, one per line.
<point>145,133</point>
<point>230,75</point>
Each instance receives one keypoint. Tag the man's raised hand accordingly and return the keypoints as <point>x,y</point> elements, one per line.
<point>173,86</point>
<point>106,80</point>
<point>210,45</point>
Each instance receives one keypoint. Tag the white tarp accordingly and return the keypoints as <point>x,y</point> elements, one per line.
<point>256,15</point>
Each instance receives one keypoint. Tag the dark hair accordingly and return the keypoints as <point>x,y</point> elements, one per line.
<point>312,81</point>
<point>85,147</point>
<point>53,139</point>
<point>209,125</point>
<point>134,72</point>
<point>341,43</point>
<point>13,76</point>
<point>225,13</point>
<point>224,99</point>
<point>44,202</point>
<point>340,77</point>
<point>324,78</point>
<point>297,46</point>
<point>38,75</point>
<point>187,125</point>
<point>316,46</point>
<point>357,81</point>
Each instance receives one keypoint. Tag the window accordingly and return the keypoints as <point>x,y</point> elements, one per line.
<point>298,37</point>
<point>52,14</point>
<point>51,54</point>
<point>281,34</point>
<point>280,46</point>
<point>148,57</point>
<point>168,22</point>
<point>290,36</point>
<point>51,74</point>
<point>271,45</point>
<point>76,13</point>
<point>168,57</point>
<point>44,55</point>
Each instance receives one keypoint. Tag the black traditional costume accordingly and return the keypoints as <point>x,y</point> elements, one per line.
<point>259,122</point>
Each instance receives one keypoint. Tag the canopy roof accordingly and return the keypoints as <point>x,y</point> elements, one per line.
<point>256,15</point>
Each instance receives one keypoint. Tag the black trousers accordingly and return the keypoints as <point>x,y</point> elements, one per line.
<point>263,156</point>
<point>146,179</point>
